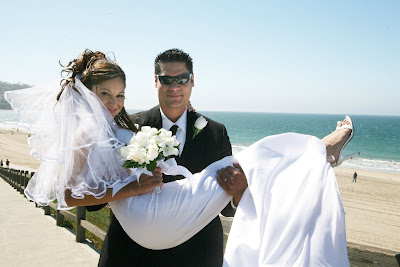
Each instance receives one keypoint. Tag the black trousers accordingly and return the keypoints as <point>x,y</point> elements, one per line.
<point>204,249</point>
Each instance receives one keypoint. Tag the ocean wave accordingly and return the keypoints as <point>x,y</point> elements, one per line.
<point>14,126</point>
<point>373,164</point>
<point>11,125</point>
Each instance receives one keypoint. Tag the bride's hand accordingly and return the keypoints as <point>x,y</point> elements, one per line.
<point>190,108</point>
<point>148,182</point>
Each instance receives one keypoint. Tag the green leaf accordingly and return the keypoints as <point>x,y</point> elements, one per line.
<point>128,164</point>
<point>160,156</point>
<point>152,165</point>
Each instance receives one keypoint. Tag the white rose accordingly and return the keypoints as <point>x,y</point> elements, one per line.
<point>176,142</point>
<point>157,140</point>
<point>141,140</point>
<point>124,151</point>
<point>149,134</point>
<point>152,152</point>
<point>168,142</point>
<point>169,151</point>
<point>200,123</point>
<point>154,131</point>
<point>136,155</point>
<point>145,129</point>
<point>165,133</point>
<point>173,151</point>
<point>144,157</point>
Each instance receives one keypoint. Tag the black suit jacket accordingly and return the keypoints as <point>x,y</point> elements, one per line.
<point>206,247</point>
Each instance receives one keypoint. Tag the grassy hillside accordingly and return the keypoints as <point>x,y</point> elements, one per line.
<point>5,86</point>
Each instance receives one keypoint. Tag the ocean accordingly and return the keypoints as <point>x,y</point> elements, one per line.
<point>377,138</point>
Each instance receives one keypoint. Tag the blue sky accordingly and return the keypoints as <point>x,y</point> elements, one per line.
<point>339,57</point>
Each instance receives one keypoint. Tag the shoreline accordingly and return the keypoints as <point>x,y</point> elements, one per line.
<point>14,147</point>
<point>378,174</point>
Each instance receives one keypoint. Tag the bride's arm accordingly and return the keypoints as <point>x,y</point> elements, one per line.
<point>147,183</point>
<point>80,169</point>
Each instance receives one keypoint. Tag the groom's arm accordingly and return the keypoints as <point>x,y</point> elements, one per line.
<point>235,183</point>
<point>225,150</point>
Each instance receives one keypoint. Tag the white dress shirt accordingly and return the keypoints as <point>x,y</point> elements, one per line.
<point>181,132</point>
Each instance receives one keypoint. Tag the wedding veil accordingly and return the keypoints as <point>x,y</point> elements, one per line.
<point>74,138</point>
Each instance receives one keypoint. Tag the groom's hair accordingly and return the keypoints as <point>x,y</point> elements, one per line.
<point>172,55</point>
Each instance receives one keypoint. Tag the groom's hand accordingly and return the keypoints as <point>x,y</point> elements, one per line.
<point>233,181</point>
<point>147,182</point>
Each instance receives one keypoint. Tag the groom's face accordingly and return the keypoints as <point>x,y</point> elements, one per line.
<point>174,96</point>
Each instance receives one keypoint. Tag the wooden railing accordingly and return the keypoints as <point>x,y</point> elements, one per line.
<point>19,180</point>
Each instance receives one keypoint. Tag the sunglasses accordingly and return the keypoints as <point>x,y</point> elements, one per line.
<point>179,79</point>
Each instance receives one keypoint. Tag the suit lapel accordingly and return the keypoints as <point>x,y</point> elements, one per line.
<point>189,143</point>
<point>154,118</point>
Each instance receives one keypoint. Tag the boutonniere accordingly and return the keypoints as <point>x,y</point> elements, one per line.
<point>199,125</point>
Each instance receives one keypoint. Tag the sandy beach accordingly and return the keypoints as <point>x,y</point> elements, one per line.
<point>372,207</point>
<point>372,204</point>
<point>14,147</point>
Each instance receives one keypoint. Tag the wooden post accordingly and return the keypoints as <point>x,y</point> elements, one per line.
<point>46,210</point>
<point>26,179</point>
<point>59,218</point>
<point>80,231</point>
<point>20,182</point>
<point>15,176</point>
<point>12,178</point>
<point>9,176</point>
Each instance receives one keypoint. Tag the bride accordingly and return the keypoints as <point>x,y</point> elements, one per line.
<point>291,213</point>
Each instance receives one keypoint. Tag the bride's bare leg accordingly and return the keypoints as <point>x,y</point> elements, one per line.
<point>335,140</point>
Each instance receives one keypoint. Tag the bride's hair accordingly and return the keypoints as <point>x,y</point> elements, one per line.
<point>95,68</point>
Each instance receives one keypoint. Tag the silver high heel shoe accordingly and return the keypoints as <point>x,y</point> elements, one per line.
<point>342,158</point>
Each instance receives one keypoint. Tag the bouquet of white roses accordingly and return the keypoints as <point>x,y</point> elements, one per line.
<point>148,146</point>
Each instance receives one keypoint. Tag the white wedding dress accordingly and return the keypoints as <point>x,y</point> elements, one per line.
<point>290,215</point>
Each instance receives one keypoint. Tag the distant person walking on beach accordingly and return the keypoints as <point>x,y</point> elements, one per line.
<point>355,177</point>
<point>1,163</point>
<point>7,163</point>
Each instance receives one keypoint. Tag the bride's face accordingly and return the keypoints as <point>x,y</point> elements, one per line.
<point>112,94</point>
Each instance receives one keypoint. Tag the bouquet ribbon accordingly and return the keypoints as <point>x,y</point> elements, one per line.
<point>169,167</point>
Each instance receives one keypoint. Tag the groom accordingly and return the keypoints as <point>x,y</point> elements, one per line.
<point>174,80</point>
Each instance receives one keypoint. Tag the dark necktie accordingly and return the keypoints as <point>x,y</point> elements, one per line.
<point>173,129</point>
<point>170,178</point>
